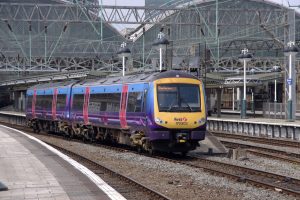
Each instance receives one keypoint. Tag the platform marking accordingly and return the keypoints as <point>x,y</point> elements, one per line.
<point>102,185</point>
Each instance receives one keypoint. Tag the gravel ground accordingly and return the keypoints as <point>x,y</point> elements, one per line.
<point>174,180</point>
<point>265,164</point>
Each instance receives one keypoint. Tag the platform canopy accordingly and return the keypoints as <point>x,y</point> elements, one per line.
<point>49,36</point>
<point>52,36</point>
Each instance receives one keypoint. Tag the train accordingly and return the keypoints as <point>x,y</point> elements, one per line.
<point>155,111</point>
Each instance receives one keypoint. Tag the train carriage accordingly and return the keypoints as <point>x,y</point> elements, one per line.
<point>47,104</point>
<point>157,111</point>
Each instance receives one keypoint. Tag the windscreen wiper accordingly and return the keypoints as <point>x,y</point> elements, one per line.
<point>172,106</point>
<point>183,101</point>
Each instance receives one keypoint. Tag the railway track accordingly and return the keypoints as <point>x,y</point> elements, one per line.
<point>126,186</point>
<point>291,157</point>
<point>261,140</point>
<point>255,177</point>
<point>263,179</point>
<point>274,156</point>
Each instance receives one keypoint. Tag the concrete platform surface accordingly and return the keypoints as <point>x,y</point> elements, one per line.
<point>224,117</point>
<point>22,114</point>
<point>256,120</point>
<point>258,113</point>
<point>32,171</point>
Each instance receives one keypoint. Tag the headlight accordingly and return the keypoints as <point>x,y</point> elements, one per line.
<point>158,121</point>
<point>202,120</point>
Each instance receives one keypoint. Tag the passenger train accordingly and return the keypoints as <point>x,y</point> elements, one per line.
<point>157,111</point>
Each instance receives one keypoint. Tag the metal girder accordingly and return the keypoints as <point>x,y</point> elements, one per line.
<point>56,42</point>
<point>251,44</point>
<point>131,14</point>
<point>253,80</point>
<point>56,64</point>
<point>263,63</point>
<point>238,81</point>
<point>83,13</point>
<point>190,25</point>
<point>46,78</point>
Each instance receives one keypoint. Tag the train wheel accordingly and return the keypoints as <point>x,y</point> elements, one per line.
<point>36,128</point>
<point>84,139</point>
<point>139,149</point>
<point>183,153</point>
<point>71,136</point>
<point>151,152</point>
<point>91,135</point>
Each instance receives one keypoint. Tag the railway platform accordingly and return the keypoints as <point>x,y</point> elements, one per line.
<point>209,145</point>
<point>228,122</point>
<point>32,169</point>
<point>256,114</point>
<point>264,127</point>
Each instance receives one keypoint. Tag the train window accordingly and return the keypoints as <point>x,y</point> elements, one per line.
<point>115,100</point>
<point>47,102</point>
<point>95,103</point>
<point>134,103</point>
<point>144,100</point>
<point>178,98</point>
<point>29,103</point>
<point>104,102</point>
<point>61,102</point>
<point>39,102</point>
<point>103,106</point>
<point>78,100</point>
<point>190,97</point>
<point>43,102</point>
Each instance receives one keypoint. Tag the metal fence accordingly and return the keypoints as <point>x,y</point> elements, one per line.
<point>276,110</point>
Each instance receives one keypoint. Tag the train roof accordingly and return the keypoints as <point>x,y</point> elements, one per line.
<point>53,85</point>
<point>135,78</point>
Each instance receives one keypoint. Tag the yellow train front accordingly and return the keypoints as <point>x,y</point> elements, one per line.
<point>176,112</point>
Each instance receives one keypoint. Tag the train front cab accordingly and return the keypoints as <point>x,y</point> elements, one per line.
<point>179,114</point>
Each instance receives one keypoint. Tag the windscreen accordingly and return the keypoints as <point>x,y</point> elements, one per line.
<point>178,98</point>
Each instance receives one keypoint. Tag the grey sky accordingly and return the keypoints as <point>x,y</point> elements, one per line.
<point>142,2</point>
<point>124,2</point>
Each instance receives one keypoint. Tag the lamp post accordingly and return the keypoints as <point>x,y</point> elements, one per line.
<point>161,44</point>
<point>124,52</point>
<point>252,102</point>
<point>276,69</point>
<point>244,57</point>
<point>252,71</point>
<point>290,50</point>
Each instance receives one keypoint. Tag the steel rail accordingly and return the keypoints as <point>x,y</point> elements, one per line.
<point>94,166</point>
<point>262,140</point>
<point>274,156</point>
